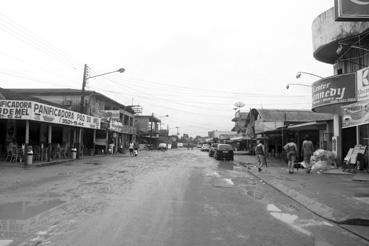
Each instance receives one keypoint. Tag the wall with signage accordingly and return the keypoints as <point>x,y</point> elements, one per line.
<point>29,110</point>
<point>334,90</point>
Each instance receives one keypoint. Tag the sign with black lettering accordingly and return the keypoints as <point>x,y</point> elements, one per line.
<point>352,10</point>
<point>29,110</point>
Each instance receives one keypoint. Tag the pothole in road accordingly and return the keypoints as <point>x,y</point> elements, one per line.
<point>93,163</point>
<point>257,195</point>
<point>122,171</point>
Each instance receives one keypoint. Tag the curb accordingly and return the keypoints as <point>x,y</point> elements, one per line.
<point>322,210</point>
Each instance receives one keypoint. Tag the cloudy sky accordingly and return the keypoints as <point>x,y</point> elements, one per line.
<point>189,59</point>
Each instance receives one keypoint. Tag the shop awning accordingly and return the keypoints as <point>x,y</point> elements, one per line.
<point>315,125</point>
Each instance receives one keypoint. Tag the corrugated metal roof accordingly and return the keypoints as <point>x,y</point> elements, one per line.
<point>292,115</point>
<point>67,91</point>
<point>13,95</point>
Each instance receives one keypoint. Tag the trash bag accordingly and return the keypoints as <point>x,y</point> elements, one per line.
<point>319,166</point>
<point>303,164</point>
<point>322,160</point>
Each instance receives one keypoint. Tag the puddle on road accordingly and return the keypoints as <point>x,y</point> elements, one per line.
<point>25,210</point>
<point>294,221</point>
<point>223,183</point>
<point>225,165</point>
<point>18,218</point>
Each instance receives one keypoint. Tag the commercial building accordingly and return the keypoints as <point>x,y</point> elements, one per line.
<point>277,126</point>
<point>345,45</point>
<point>148,130</point>
<point>117,121</point>
<point>47,128</point>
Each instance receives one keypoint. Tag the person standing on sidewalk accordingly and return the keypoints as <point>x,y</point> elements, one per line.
<point>260,154</point>
<point>307,151</point>
<point>291,151</point>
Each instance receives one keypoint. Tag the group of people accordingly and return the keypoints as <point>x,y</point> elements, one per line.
<point>291,153</point>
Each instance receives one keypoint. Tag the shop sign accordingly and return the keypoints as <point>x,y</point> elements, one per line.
<point>334,90</point>
<point>116,126</point>
<point>351,10</point>
<point>362,81</point>
<point>110,114</point>
<point>355,114</point>
<point>29,110</point>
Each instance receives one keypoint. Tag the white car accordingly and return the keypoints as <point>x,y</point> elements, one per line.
<point>205,147</point>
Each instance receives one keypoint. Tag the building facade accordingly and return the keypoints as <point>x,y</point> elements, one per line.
<point>345,45</point>
<point>117,121</point>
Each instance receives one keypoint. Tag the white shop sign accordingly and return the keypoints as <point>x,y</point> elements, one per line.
<point>29,110</point>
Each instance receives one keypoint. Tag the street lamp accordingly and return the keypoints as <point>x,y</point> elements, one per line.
<point>288,85</point>
<point>86,77</point>
<point>82,105</point>
<point>298,75</point>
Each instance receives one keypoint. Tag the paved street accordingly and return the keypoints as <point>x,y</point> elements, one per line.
<point>178,197</point>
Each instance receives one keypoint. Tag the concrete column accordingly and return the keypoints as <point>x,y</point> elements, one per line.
<point>106,141</point>
<point>337,136</point>
<point>94,141</point>
<point>357,135</point>
<point>26,140</point>
<point>49,137</point>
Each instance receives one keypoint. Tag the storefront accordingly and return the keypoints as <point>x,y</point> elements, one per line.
<point>50,131</point>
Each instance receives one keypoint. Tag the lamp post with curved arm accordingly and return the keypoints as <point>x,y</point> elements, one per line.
<point>82,105</point>
<point>298,84</point>
<point>298,75</point>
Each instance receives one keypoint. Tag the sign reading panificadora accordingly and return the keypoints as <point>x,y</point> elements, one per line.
<point>29,110</point>
<point>334,90</point>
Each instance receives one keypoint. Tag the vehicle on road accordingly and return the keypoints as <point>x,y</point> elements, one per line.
<point>205,147</point>
<point>162,146</point>
<point>199,146</point>
<point>212,149</point>
<point>224,152</point>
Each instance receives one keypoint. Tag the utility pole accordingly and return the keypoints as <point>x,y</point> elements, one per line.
<point>177,130</point>
<point>82,110</point>
<point>151,120</point>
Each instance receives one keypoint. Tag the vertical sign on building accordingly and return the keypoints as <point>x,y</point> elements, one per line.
<point>362,81</point>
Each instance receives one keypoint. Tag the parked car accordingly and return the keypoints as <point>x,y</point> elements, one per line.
<point>205,147</point>
<point>199,146</point>
<point>162,146</point>
<point>212,149</point>
<point>224,152</point>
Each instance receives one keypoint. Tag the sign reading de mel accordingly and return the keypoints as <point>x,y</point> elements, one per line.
<point>339,89</point>
<point>29,110</point>
<point>352,10</point>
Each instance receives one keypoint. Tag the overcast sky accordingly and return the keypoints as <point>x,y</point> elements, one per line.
<point>189,59</point>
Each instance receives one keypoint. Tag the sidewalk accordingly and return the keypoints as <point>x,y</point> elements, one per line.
<point>335,196</point>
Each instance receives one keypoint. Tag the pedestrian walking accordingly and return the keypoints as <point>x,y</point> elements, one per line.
<point>260,154</point>
<point>131,146</point>
<point>307,151</point>
<point>135,149</point>
<point>291,151</point>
